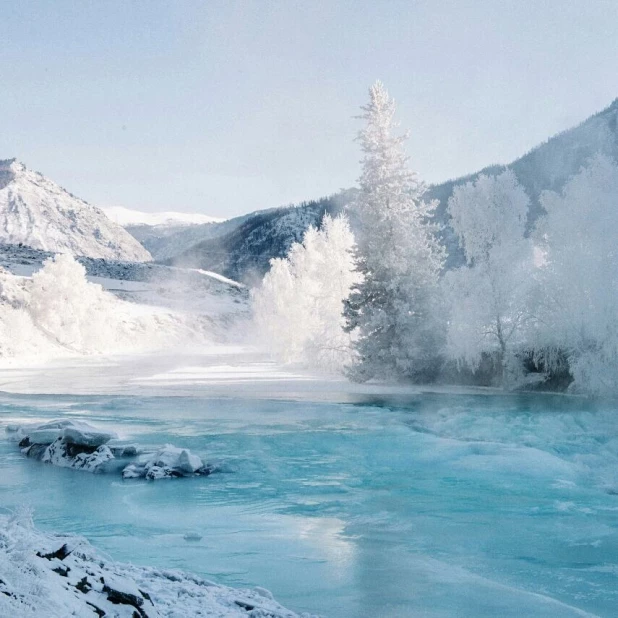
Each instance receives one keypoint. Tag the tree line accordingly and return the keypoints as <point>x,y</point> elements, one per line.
<point>528,308</point>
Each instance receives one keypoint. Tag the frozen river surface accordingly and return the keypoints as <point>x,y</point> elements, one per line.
<point>435,505</point>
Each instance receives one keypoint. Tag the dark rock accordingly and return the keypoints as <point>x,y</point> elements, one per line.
<point>98,611</point>
<point>60,554</point>
<point>36,451</point>
<point>62,571</point>
<point>122,598</point>
<point>145,595</point>
<point>83,585</point>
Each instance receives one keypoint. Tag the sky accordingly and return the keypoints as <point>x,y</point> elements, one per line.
<point>225,107</point>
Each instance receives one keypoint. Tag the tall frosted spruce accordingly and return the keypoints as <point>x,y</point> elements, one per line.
<point>396,309</point>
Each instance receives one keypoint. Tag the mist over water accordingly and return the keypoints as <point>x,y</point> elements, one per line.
<point>426,505</point>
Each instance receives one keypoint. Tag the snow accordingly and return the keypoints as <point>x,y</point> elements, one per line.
<point>58,312</point>
<point>216,369</point>
<point>167,462</point>
<point>36,212</point>
<point>58,454</point>
<point>56,576</point>
<point>75,432</point>
<point>75,444</point>
<point>127,217</point>
<point>216,276</point>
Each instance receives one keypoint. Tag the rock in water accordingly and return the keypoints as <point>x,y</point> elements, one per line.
<point>167,462</point>
<point>66,455</point>
<point>79,445</point>
<point>65,443</point>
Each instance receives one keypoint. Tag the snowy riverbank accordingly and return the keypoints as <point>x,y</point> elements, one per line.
<point>213,370</point>
<point>57,576</point>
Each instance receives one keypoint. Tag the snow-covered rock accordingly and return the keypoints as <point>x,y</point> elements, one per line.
<point>56,576</point>
<point>65,443</point>
<point>37,212</point>
<point>86,435</point>
<point>76,444</point>
<point>167,462</point>
<point>65,455</point>
<point>75,432</point>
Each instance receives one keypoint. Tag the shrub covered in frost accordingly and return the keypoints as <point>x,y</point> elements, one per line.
<point>58,311</point>
<point>298,308</point>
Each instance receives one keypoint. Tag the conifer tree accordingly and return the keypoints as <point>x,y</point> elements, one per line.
<point>394,309</point>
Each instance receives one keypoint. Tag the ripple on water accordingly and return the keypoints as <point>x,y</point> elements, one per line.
<point>435,505</point>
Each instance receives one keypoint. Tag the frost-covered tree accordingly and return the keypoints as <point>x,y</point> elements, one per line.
<point>490,298</point>
<point>298,308</point>
<point>580,276</point>
<point>58,312</point>
<point>394,309</point>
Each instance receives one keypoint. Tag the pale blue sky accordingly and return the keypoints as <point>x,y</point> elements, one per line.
<point>226,107</point>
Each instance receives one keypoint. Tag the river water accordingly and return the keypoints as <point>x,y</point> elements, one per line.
<point>434,505</point>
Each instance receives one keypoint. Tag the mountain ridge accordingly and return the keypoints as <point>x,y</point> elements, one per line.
<point>243,253</point>
<point>126,217</point>
<point>37,212</point>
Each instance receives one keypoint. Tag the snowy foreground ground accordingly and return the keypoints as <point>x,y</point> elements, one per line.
<point>55,576</point>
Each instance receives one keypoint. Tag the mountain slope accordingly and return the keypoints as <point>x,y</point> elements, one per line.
<point>548,166</point>
<point>165,242</point>
<point>243,253</point>
<point>127,217</point>
<point>36,212</point>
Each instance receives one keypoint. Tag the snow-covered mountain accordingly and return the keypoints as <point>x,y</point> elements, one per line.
<point>127,217</point>
<point>544,168</point>
<point>38,213</point>
<point>166,234</point>
<point>165,242</point>
<point>242,252</point>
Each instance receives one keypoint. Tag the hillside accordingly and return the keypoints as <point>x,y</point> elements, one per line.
<point>546,167</point>
<point>38,213</point>
<point>167,241</point>
<point>244,252</point>
<point>241,248</point>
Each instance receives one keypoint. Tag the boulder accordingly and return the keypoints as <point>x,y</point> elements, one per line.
<point>75,432</point>
<point>168,462</point>
<point>66,455</point>
<point>79,445</point>
<point>86,435</point>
